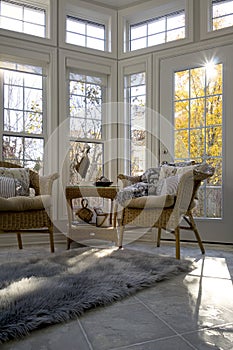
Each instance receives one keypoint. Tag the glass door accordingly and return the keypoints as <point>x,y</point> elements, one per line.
<point>196,114</point>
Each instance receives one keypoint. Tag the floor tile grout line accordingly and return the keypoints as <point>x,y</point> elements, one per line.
<point>167,324</point>
<point>85,335</point>
<point>145,342</point>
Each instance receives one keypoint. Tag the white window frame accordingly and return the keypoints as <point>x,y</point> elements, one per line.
<point>206,31</point>
<point>147,11</point>
<point>50,7</point>
<point>97,14</point>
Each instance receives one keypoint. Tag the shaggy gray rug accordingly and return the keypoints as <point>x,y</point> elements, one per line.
<point>39,291</point>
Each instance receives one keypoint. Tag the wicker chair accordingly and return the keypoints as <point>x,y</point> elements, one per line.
<point>169,211</point>
<point>28,220</point>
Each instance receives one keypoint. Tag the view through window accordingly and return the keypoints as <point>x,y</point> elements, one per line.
<point>198,108</point>
<point>23,18</point>
<point>87,95</point>
<point>157,31</point>
<point>135,98</point>
<point>22,114</point>
<point>222,14</point>
<point>85,33</point>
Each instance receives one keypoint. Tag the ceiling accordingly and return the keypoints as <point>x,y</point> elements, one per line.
<point>116,4</point>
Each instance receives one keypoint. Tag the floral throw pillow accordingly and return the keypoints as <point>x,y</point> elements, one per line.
<point>20,174</point>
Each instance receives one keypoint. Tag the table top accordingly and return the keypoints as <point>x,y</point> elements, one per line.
<point>79,191</point>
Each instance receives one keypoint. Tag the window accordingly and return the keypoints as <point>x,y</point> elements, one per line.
<point>222,14</point>
<point>22,114</point>
<point>87,94</point>
<point>85,33</point>
<point>157,31</point>
<point>198,128</point>
<point>23,17</point>
<point>135,98</point>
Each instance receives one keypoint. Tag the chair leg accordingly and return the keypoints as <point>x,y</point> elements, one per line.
<point>51,239</point>
<point>68,243</point>
<point>159,236</point>
<point>153,234</point>
<point>194,228</point>
<point>120,241</point>
<point>177,235</point>
<point>19,239</point>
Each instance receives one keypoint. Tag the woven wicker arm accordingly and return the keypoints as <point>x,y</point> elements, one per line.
<point>46,183</point>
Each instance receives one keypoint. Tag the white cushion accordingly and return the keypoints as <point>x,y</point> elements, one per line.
<point>151,202</point>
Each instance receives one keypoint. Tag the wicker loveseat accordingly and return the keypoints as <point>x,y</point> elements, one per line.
<point>164,211</point>
<point>22,214</point>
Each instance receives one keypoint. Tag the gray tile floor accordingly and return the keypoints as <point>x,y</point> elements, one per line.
<point>193,311</point>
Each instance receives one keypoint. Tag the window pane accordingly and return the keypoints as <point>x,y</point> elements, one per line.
<point>181,112</point>
<point>182,144</point>
<point>175,21</point>
<point>33,28</point>
<point>34,16</point>
<point>95,31</point>
<point>13,97</point>
<point>156,39</point>
<point>95,43</point>
<point>95,159</point>
<point>13,120</point>
<point>8,23</point>
<point>33,123</point>
<point>138,44</point>
<point>157,26</point>
<point>138,31</point>
<point>11,10</point>
<point>176,34</point>
<point>75,26</point>
<point>197,113</point>
<point>75,39</point>
<point>198,82</point>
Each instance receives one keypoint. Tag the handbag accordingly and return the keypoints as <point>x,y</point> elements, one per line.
<point>84,213</point>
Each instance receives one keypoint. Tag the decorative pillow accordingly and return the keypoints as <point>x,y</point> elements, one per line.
<point>20,174</point>
<point>10,187</point>
<point>134,191</point>
<point>170,170</point>
<point>168,185</point>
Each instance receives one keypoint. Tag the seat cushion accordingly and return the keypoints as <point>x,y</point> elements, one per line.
<point>164,201</point>
<point>25,203</point>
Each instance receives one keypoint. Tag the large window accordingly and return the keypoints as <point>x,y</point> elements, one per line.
<point>87,94</point>
<point>22,114</point>
<point>23,17</point>
<point>135,99</point>
<point>85,33</point>
<point>222,14</point>
<point>198,128</point>
<point>157,31</point>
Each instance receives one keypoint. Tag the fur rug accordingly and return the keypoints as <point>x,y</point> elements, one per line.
<point>45,288</point>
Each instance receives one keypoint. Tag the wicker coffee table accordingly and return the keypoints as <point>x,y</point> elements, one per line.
<point>78,231</point>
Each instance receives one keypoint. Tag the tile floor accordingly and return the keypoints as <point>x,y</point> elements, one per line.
<point>193,311</point>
